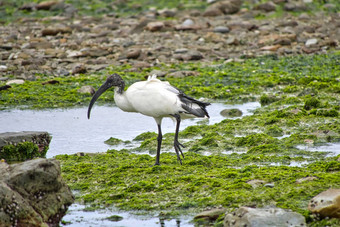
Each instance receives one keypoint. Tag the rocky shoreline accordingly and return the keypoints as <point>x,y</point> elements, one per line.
<point>64,45</point>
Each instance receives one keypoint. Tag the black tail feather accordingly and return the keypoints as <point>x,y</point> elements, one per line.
<point>187,106</point>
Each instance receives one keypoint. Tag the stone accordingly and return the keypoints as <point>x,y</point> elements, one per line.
<point>295,7</point>
<point>221,29</point>
<point>55,30</point>
<point>138,28</point>
<point>256,183</point>
<point>193,55</point>
<point>154,26</point>
<point>311,42</point>
<point>17,81</point>
<point>79,68</point>
<point>229,6</point>
<point>267,7</point>
<point>157,73</point>
<point>326,204</point>
<point>87,89</point>
<point>271,47</point>
<point>33,193</point>
<point>133,53</point>
<point>188,22</point>
<point>231,113</point>
<point>167,12</point>
<point>181,51</point>
<point>3,68</point>
<point>263,217</point>
<point>304,179</point>
<point>211,215</point>
<point>182,74</point>
<point>46,5</point>
<point>212,12</point>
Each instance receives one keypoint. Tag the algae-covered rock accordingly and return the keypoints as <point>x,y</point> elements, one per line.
<point>33,193</point>
<point>21,146</point>
<point>231,113</point>
<point>211,215</point>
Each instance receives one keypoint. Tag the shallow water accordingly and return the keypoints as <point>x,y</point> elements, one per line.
<point>332,148</point>
<point>78,217</point>
<point>72,132</point>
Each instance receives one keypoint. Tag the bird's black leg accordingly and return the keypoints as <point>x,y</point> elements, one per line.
<point>159,140</point>
<point>177,144</point>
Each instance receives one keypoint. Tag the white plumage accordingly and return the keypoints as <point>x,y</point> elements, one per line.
<point>156,99</point>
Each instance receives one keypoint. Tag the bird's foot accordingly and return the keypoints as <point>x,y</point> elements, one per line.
<point>177,146</point>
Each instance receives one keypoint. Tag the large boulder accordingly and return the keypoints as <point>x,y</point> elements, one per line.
<point>263,217</point>
<point>33,193</point>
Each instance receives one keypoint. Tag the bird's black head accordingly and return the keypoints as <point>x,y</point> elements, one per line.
<point>113,80</point>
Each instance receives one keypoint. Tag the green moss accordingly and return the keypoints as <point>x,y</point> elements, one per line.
<point>266,100</point>
<point>115,141</point>
<point>266,148</point>
<point>255,140</point>
<point>114,218</point>
<point>274,131</point>
<point>312,103</point>
<point>145,135</point>
<point>21,152</point>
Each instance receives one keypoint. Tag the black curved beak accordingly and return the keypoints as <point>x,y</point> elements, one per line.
<point>96,95</point>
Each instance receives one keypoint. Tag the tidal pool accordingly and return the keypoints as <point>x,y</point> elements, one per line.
<point>72,132</point>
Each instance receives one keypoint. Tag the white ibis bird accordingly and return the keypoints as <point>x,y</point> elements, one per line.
<point>156,99</point>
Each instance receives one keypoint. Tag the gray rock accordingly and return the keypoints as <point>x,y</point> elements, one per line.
<point>326,204</point>
<point>256,183</point>
<point>221,29</point>
<point>193,55</point>
<point>211,215</point>
<point>267,6</point>
<point>155,26</point>
<point>18,81</point>
<point>158,73</point>
<point>46,5</point>
<point>182,74</point>
<point>133,53</point>
<point>226,7</point>
<point>188,22</point>
<point>181,51</point>
<point>311,42</point>
<point>87,89</point>
<point>262,217</point>
<point>79,68</point>
<point>295,7</point>
<point>33,193</point>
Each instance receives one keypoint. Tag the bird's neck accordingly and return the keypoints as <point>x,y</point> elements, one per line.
<point>121,100</point>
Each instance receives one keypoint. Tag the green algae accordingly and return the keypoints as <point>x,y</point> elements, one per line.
<point>22,152</point>
<point>115,141</point>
